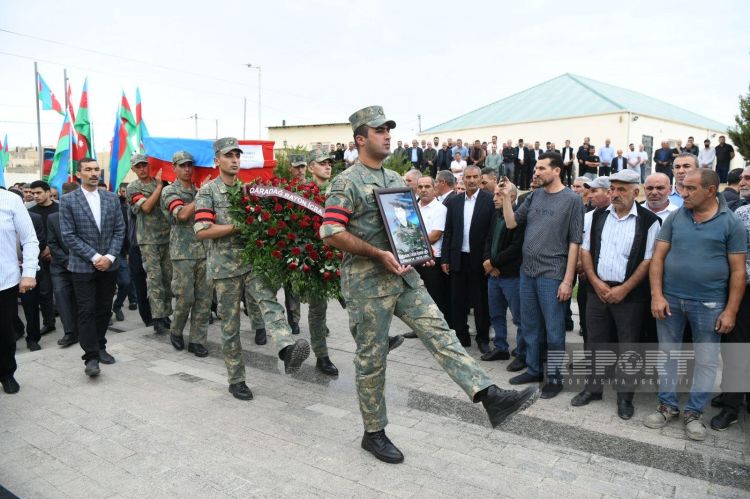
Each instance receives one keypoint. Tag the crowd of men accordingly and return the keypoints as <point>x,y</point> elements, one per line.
<point>498,251</point>
<point>173,250</point>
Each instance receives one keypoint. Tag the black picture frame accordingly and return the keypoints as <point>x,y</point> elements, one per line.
<point>404,225</point>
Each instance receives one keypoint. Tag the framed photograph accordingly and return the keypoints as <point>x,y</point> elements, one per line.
<point>404,225</point>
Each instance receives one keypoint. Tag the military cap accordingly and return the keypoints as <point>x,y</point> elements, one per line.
<point>372,116</point>
<point>181,157</point>
<point>318,156</point>
<point>626,176</point>
<point>226,144</point>
<point>296,160</point>
<point>137,159</point>
<point>598,183</point>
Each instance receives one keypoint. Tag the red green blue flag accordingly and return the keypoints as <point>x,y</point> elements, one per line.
<point>49,101</point>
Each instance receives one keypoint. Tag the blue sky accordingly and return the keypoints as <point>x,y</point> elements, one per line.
<point>322,60</point>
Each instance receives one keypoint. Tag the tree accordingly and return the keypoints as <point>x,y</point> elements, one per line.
<point>740,135</point>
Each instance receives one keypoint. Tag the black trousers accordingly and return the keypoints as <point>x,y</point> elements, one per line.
<point>94,293</point>
<point>736,371</point>
<point>582,297</point>
<point>437,284</point>
<point>469,290</point>
<point>566,174</point>
<point>46,294</point>
<point>8,317</point>
<point>609,324</point>
<point>30,304</point>
<point>138,281</point>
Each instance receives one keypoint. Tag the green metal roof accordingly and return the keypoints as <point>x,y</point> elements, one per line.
<point>571,96</point>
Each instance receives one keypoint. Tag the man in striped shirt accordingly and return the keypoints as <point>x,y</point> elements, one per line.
<point>616,254</point>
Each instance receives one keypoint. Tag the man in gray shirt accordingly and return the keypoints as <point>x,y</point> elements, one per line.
<point>553,216</point>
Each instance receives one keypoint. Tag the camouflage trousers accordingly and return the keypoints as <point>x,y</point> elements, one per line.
<point>291,303</point>
<point>316,320</point>
<point>257,290</point>
<point>369,322</point>
<point>192,294</point>
<point>158,267</point>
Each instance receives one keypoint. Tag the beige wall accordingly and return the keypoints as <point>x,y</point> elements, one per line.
<point>308,136</point>
<point>599,127</point>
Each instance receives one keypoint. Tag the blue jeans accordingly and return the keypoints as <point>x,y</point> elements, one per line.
<point>542,316</point>
<point>503,292</point>
<point>706,342</point>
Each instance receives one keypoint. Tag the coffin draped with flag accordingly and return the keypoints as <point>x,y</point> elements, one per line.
<point>256,162</point>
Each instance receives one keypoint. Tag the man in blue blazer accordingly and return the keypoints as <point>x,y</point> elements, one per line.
<point>463,257</point>
<point>93,229</point>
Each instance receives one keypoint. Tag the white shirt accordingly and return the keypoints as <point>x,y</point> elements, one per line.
<point>433,215</point>
<point>663,214</point>
<point>537,152</point>
<point>616,242</point>
<point>351,155</point>
<point>469,204</point>
<point>16,228</point>
<point>95,203</point>
<point>520,154</point>
<point>457,168</point>
<point>566,155</point>
<point>707,157</point>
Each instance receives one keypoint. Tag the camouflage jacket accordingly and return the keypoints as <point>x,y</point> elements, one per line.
<point>183,244</point>
<point>212,207</point>
<point>151,228</point>
<point>351,206</point>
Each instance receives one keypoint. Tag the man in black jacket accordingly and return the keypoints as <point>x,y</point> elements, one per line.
<point>462,257</point>
<point>62,282</point>
<point>502,263</point>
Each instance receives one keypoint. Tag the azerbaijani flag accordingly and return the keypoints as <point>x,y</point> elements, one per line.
<point>127,116</point>
<point>61,164</point>
<point>119,160</point>
<point>44,93</point>
<point>142,130</point>
<point>82,126</point>
<point>256,161</point>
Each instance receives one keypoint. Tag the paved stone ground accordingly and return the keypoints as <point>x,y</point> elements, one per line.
<point>161,423</point>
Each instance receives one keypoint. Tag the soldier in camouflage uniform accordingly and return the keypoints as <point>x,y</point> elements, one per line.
<point>232,278</point>
<point>189,284</point>
<point>376,287</point>
<point>152,230</point>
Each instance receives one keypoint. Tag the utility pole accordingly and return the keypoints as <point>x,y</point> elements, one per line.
<point>38,122</point>
<point>195,117</point>
<point>259,96</point>
<point>419,119</point>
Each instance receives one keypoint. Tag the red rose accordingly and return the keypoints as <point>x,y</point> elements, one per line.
<point>326,247</point>
<point>248,208</point>
<point>281,244</point>
<point>293,217</point>
<point>309,247</point>
<point>250,220</point>
<point>257,208</point>
<point>329,255</point>
<point>271,232</point>
<point>296,251</point>
<point>277,207</point>
<point>245,199</point>
<point>292,266</point>
<point>316,227</point>
<point>305,268</point>
<point>316,219</point>
<point>275,182</point>
<point>281,225</point>
<point>289,205</point>
<point>291,236</point>
<point>258,243</point>
<point>276,254</point>
<point>327,276</point>
<point>314,255</point>
<point>266,216</point>
<point>338,273</point>
<point>304,224</point>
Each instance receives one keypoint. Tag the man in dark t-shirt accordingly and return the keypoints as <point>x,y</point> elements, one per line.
<point>553,217</point>
<point>44,207</point>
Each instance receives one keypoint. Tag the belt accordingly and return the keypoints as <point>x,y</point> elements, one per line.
<point>612,284</point>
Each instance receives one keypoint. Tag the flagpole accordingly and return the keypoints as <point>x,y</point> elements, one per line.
<point>65,89</point>
<point>38,122</point>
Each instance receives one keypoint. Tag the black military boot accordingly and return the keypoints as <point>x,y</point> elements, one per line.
<point>502,404</point>
<point>324,365</point>
<point>380,446</point>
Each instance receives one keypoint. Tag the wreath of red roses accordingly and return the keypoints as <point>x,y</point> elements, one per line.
<point>281,238</point>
